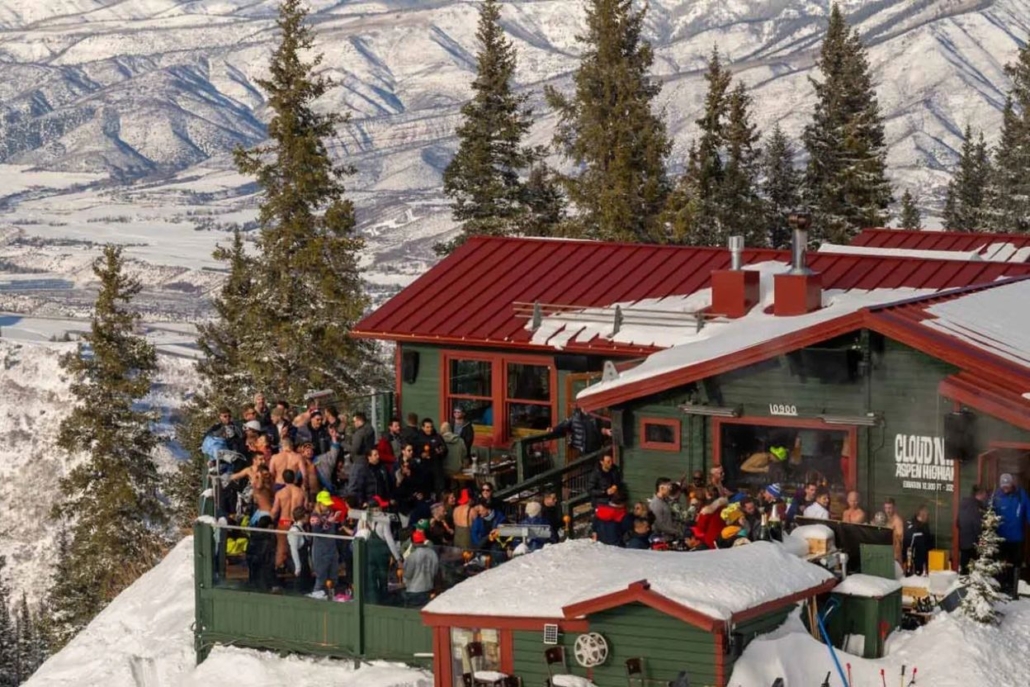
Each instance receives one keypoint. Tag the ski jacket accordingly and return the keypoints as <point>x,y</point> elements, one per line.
<point>710,522</point>
<point>600,482</point>
<point>586,436</point>
<point>1014,510</point>
<point>608,524</point>
<point>367,481</point>
<point>362,441</point>
<point>970,522</point>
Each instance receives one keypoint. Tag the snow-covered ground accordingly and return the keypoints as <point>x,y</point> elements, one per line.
<point>950,651</point>
<point>143,639</point>
<point>34,399</point>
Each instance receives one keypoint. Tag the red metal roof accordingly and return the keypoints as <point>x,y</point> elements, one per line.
<point>946,241</point>
<point>467,298</point>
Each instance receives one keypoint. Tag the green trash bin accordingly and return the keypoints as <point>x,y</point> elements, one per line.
<point>869,609</point>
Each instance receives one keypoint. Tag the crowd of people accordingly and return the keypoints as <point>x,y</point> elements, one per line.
<point>304,473</point>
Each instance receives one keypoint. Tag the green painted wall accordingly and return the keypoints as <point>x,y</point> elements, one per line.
<point>529,656</point>
<point>423,397</point>
<point>396,634</point>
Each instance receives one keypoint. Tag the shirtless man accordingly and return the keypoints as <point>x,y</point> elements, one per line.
<point>895,522</point>
<point>251,471</point>
<point>287,459</point>
<point>287,499</point>
<point>854,514</point>
<point>261,492</point>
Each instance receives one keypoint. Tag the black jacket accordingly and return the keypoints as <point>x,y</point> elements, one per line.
<point>600,481</point>
<point>970,521</point>
<point>361,442</point>
<point>917,544</point>
<point>586,435</point>
<point>367,480</point>
<point>410,435</point>
<point>433,444</point>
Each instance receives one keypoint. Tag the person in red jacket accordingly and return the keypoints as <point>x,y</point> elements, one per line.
<point>710,523</point>
<point>609,521</point>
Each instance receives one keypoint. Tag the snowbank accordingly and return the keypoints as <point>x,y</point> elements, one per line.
<point>143,639</point>
<point>715,583</point>
<point>867,585</point>
<point>950,651</point>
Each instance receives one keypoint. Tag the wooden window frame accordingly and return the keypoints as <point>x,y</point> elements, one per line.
<point>850,479</point>
<point>672,447</point>
<point>501,434</point>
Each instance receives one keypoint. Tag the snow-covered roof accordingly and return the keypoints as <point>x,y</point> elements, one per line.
<point>867,585</point>
<point>843,249</point>
<point>717,584</point>
<point>988,320</point>
<point>689,347</point>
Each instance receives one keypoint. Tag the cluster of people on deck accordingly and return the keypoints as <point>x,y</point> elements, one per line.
<point>307,473</point>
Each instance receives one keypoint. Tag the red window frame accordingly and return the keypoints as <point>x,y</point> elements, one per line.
<point>676,426</point>
<point>501,434</point>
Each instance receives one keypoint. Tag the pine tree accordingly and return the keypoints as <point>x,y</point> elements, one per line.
<point>781,187</point>
<point>910,217</point>
<point>610,133</point>
<point>483,179</point>
<point>8,634</point>
<point>1008,208</point>
<point>964,202</point>
<point>308,291</point>
<point>740,205</point>
<point>846,186</point>
<point>30,646</point>
<point>982,592</point>
<point>543,201</point>
<point>110,501</point>
<point>692,212</point>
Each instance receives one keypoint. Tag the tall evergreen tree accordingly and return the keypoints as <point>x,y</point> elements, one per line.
<point>909,217</point>
<point>308,291</point>
<point>609,130</point>
<point>964,202</point>
<point>846,185</point>
<point>483,180</point>
<point>31,651</point>
<point>781,187</point>
<point>741,207</point>
<point>692,212</point>
<point>8,634</point>
<point>110,501</point>
<point>543,201</point>
<point>982,588</point>
<point>1008,209</point>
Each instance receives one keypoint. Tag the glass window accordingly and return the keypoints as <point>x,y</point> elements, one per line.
<point>818,455</point>
<point>659,434</point>
<point>528,418</point>
<point>471,377</point>
<point>461,638</point>
<point>529,382</point>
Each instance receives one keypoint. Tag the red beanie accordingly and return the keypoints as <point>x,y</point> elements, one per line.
<point>418,537</point>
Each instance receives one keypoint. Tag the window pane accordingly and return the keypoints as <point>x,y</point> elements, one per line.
<point>479,413</point>
<point>470,377</point>
<point>527,418</point>
<point>529,382</point>
<point>659,434</point>
<point>460,638</point>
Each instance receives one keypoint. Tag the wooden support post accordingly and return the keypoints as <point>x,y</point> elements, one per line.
<point>358,549</point>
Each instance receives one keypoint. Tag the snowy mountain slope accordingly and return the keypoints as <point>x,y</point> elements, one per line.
<point>144,638</point>
<point>34,399</point>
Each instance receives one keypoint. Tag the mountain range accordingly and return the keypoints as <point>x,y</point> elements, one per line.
<point>151,90</point>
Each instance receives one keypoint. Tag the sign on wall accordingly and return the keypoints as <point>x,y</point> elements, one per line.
<point>919,463</point>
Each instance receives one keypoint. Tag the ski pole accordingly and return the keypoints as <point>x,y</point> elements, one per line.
<point>912,682</point>
<point>849,675</point>
<point>902,683</point>
<point>883,678</point>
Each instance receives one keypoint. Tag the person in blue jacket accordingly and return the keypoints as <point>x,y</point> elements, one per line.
<point>1012,504</point>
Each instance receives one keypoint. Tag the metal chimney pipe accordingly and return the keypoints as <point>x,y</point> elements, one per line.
<point>799,246</point>
<point>736,252</point>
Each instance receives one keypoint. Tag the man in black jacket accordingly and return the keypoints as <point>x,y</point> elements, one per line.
<point>464,429</point>
<point>970,523</point>
<point>369,480</point>
<point>431,448</point>
<point>605,481</point>
<point>586,432</point>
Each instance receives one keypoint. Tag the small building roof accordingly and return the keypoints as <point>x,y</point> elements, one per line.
<point>470,297</point>
<point>988,247</point>
<point>580,577</point>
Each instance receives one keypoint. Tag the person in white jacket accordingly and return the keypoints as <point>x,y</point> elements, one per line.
<point>821,508</point>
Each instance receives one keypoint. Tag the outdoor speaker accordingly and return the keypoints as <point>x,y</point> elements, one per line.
<point>409,366</point>
<point>952,601</point>
<point>960,435</point>
<point>572,363</point>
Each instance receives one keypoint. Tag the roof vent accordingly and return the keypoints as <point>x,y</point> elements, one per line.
<point>799,291</point>
<point>734,291</point>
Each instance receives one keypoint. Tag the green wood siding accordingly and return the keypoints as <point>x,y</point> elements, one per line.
<point>757,626</point>
<point>396,634</point>
<point>423,397</point>
<point>529,662</point>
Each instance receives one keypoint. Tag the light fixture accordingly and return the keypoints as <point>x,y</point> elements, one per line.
<point>711,411</point>
<point>867,420</point>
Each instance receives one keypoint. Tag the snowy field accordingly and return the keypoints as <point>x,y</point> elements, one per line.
<point>143,639</point>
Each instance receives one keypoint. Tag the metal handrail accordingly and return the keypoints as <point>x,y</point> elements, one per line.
<point>550,476</point>
<point>219,526</point>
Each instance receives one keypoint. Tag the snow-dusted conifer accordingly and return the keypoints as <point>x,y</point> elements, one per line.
<point>109,501</point>
<point>308,291</point>
<point>910,217</point>
<point>484,179</point>
<point>781,187</point>
<point>8,633</point>
<point>964,202</point>
<point>31,651</point>
<point>610,132</point>
<point>846,184</point>
<point>982,592</point>
<point>1008,206</point>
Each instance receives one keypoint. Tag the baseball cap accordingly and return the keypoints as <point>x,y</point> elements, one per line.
<point>418,537</point>
<point>325,498</point>
<point>1006,480</point>
<point>253,424</point>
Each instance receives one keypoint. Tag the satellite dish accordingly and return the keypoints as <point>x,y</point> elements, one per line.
<point>591,649</point>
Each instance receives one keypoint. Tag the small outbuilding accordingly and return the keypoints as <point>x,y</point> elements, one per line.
<point>592,610</point>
